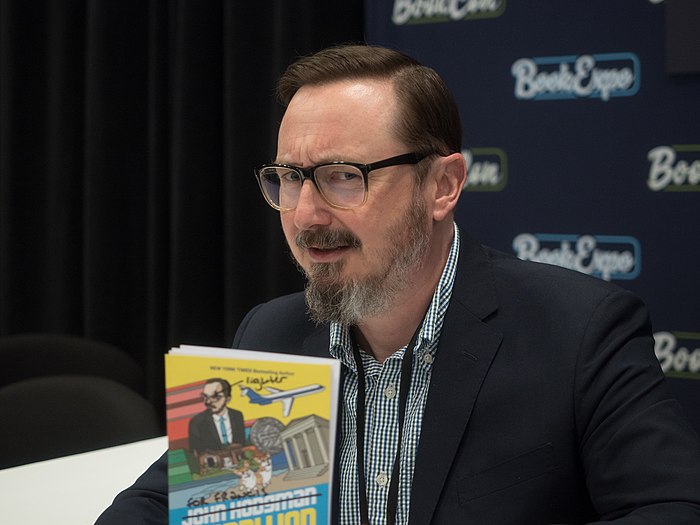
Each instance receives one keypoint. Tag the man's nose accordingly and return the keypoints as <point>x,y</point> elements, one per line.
<point>312,209</point>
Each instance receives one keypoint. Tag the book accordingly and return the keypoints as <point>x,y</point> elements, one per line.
<point>251,436</point>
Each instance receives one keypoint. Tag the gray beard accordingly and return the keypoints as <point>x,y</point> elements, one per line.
<point>330,298</point>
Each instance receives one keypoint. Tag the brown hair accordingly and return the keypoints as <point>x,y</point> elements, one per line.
<point>429,120</point>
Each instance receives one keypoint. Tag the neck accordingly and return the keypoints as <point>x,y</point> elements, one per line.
<point>384,334</point>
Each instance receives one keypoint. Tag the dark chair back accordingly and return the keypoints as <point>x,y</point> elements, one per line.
<point>54,416</point>
<point>24,356</point>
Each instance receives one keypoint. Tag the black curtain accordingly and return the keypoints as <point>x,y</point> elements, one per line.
<point>129,212</point>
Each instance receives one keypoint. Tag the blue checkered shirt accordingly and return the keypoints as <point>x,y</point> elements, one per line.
<point>382,408</point>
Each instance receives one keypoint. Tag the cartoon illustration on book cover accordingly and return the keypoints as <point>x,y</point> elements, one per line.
<point>249,441</point>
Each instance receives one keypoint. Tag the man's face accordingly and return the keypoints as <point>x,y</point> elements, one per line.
<point>214,398</point>
<point>358,260</point>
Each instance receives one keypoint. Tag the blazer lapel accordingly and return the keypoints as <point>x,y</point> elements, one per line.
<point>466,349</point>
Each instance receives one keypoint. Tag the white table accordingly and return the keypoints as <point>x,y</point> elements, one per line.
<point>73,490</point>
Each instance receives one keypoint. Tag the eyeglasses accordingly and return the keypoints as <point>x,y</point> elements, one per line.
<point>342,184</point>
<point>214,397</point>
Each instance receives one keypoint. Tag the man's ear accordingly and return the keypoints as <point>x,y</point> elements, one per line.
<point>450,175</point>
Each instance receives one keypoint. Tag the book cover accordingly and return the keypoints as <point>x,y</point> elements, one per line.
<point>251,436</point>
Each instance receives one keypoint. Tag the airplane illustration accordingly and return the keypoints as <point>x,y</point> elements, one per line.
<point>286,397</point>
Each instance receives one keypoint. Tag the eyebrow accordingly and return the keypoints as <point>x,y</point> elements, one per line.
<point>326,159</point>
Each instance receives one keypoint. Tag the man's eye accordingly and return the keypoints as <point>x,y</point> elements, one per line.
<point>290,176</point>
<point>344,176</point>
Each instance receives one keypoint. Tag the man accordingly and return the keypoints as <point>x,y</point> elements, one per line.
<point>218,426</point>
<point>477,388</point>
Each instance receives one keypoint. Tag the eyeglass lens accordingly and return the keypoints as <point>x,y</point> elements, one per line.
<point>341,185</point>
<point>214,397</point>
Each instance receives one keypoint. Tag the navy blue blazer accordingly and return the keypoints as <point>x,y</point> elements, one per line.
<point>203,434</point>
<point>546,405</point>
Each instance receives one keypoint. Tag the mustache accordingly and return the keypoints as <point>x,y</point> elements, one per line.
<point>324,239</point>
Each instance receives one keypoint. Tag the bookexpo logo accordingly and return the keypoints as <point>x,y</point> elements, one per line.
<point>678,353</point>
<point>488,169</point>
<point>600,76</point>
<point>674,168</point>
<point>427,11</point>
<point>605,256</point>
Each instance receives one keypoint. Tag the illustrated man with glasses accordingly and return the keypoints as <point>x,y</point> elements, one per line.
<point>219,426</point>
<point>477,388</point>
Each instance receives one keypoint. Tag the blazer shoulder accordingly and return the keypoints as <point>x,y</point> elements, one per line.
<point>279,325</point>
<point>490,281</point>
<point>519,278</point>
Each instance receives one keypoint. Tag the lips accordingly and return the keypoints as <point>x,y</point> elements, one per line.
<point>326,255</point>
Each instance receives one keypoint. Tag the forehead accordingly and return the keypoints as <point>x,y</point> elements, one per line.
<point>212,388</point>
<point>347,120</point>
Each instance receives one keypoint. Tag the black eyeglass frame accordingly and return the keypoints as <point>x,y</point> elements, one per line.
<point>214,397</point>
<point>310,174</point>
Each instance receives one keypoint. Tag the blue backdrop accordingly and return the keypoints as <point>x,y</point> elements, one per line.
<point>584,151</point>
